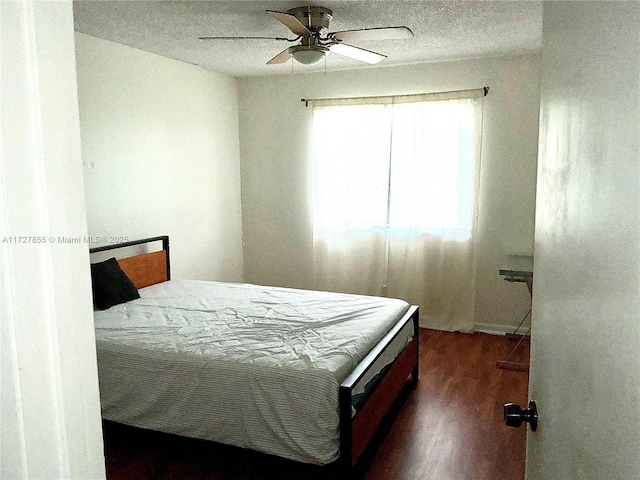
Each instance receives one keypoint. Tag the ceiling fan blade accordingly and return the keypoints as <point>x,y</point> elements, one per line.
<point>384,33</point>
<point>282,57</point>
<point>291,22</point>
<point>358,53</point>
<point>246,38</point>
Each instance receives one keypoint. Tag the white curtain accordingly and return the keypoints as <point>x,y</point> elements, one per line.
<point>395,189</point>
<point>351,189</point>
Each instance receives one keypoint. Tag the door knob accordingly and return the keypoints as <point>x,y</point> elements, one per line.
<point>514,415</point>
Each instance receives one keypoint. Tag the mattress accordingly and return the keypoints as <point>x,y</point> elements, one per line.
<point>252,366</point>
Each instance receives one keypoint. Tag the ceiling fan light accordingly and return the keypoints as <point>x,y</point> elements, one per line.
<point>308,54</point>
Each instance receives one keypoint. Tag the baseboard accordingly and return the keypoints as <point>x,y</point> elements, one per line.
<point>499,329</point>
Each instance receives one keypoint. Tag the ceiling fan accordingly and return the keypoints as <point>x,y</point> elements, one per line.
<point>315,41</point>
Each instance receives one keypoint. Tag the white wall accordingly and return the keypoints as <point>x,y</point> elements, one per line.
<point>275,144</point>
<point>50,408</point>
<point>161,156</point>
<point>585,370</point>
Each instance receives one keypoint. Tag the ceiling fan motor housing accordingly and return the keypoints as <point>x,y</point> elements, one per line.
<point>314,18</point>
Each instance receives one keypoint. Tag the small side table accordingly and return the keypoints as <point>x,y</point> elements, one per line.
<point>518,268</point>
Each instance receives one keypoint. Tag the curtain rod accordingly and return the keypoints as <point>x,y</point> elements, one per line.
<point>453,94</point>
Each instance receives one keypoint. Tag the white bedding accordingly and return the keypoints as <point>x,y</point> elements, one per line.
<point>257,367</point>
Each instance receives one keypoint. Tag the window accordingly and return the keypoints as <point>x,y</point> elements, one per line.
<point>351,166</point>
<point>396,166</point>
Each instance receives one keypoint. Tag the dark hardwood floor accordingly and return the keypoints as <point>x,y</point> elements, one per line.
<point>449,427</point>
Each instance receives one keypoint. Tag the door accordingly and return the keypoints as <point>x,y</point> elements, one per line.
<point>50,408</point>
<point>585,350</point>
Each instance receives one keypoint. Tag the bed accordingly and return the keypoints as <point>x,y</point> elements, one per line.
<point>300,374</point>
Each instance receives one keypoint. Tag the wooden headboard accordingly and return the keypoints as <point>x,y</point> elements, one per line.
<point>147,268</point>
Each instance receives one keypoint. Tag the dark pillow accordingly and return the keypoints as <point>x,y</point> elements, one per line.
<point>111,286</point>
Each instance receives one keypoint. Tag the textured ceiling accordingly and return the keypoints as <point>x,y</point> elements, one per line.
<point>443,30</point>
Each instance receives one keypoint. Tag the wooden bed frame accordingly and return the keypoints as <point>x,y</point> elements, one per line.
<point>355,433</point>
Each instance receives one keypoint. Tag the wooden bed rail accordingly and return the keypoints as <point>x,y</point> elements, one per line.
<point>356,432</point>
